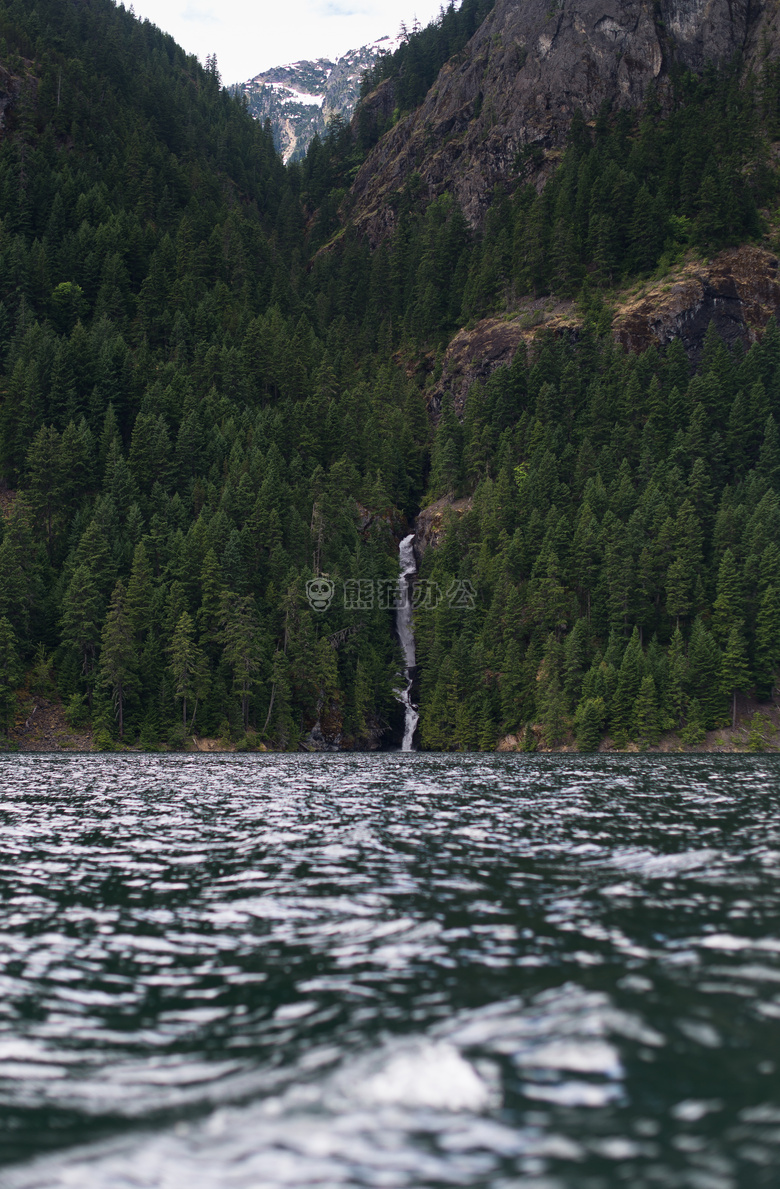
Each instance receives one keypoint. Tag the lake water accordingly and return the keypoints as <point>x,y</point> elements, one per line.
<point>245,972</point>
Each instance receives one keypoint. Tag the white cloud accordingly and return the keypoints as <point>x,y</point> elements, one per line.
<point>191,13</point>
<point>249,36</point>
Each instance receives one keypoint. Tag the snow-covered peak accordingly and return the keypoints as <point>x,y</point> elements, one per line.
<point>288,95</point>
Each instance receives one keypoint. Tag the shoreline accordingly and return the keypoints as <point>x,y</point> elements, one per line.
<point>44,729</point>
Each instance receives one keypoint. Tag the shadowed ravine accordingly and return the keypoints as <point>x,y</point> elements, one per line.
<point>399,970</point>
<point>404,627</point>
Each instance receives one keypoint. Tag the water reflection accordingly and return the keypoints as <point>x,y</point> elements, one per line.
<point>401,970</point>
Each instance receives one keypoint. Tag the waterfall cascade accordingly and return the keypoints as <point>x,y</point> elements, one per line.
<point>403,623</point>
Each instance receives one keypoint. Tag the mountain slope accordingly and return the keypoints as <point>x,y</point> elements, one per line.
<point>506,104</point>
<point>301,98</point>
<point>174,414</point>
<point>213,392</point>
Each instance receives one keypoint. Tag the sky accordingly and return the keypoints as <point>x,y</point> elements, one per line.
<point>249,36</point>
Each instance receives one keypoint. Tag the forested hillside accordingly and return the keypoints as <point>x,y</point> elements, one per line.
<point>214,390</point>
<point>628,566</point>
<point>184,436</point>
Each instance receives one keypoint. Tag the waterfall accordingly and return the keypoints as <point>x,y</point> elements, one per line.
<point>403,623</point>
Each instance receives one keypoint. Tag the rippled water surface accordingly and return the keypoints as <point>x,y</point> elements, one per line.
<point>402,970</point>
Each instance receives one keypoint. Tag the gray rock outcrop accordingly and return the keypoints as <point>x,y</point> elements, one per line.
<point>503,108</point>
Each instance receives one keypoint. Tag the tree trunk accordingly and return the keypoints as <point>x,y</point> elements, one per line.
<point>270,708</point>
<point>184,714</point>
<point>734,710</point>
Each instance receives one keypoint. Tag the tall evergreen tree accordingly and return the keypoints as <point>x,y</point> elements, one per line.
<point>187,666</point>
<point>118,656</point>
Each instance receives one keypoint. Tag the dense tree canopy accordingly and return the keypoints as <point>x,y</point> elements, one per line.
<point>210,395</point>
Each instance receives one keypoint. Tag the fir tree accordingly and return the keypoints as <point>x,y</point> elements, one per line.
<point>187,667</point>
<point>767,653</point>
<point>734,669</point>
<point>589,723</point>
<point>118,656</point>
<point>241,646</point>
<point>629,684</point>
<point>10,673</point>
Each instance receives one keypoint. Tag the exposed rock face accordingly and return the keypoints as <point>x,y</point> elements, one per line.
<point>10,87</point>
<point>476,353</point>
<point>739,290</point>
<point>529,66</point>
<point>432,521</point>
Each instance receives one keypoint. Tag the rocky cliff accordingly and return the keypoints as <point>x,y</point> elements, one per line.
<point>739,290</point>
<point>503,108</point>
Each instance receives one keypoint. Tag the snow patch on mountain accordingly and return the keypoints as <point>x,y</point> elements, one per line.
<point>301,98</point>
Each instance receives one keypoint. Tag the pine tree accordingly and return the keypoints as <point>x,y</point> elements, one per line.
<point>10,673</point>
<point>767,653</point>
<point>729,602</point>
<point>44,479</point>
<point>629,684</point>
<point>576,660</point>
<point>672,710</point>
<point>187,667</point>
<point>646,725</point>
<point>140,595</point>
<point>589,723</point>
<point>210,610</point>
<point>550,698</point>
<point>734,669</point>
<point>769,455</point>
<point>686,566</point>
<point>704,668</point>
<point>82,616</point>
<point>241,645</point>
<point>511,685</point>
<point>118,655</point>
<point>695,727</point>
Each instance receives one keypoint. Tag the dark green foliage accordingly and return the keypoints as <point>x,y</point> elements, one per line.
<point>183,412</point>
<point>206,400</point>
<point>422,53</point>
<point>10,673</point>
<point>118,656</point>
<point>618,592</point>
<point>640,193</point>
<point>589,721</point>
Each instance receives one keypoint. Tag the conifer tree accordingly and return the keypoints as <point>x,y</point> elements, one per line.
<point>44,480</point>
<point>118,656</point>
<point>241,645</point>
<point>550,698</point>
<point>187,667</point>
<point>704,672</point>
<point>82,617</point>
<point>589,723</point>
<point>676,684</point>
<point>629,684</point>
<point>140,595</point>
<point>734,669</point>
<point>10,673</point>
<point>646,724</point>
<point>767,662</point>
<point>729,602</point>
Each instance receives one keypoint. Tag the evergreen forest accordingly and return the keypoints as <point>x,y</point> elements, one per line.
<point>213,391</point>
